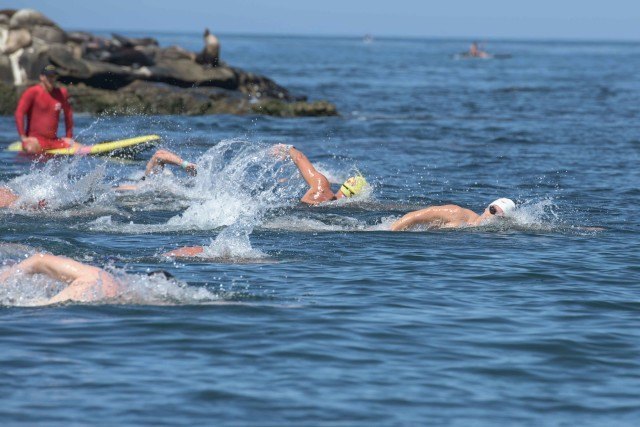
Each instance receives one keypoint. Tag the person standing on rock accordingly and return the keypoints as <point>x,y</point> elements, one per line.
<point>210,54</point>
<point>41,104</point>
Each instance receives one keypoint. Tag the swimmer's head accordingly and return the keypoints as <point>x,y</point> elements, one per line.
<point>161,273</point>
<point>502,207</point>
<point>353,185</point>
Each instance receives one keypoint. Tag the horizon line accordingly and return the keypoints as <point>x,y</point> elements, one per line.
<point>386,36</point>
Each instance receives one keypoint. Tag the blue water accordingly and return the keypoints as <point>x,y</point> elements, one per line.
<point>318,316</point>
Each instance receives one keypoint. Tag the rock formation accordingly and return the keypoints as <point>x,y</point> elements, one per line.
<point>135,75</point>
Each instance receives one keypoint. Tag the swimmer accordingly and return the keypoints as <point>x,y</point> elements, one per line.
<point>156,164</point>
<point>320,190</point>
<point>160,158</point>
<point>453,216</point>
<point>474,51</point>
<point>85,283</point>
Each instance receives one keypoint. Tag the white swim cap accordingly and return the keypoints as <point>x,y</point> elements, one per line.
<point>505,204</point>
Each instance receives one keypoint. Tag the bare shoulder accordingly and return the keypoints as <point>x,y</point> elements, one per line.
<point>449,210</point>
<point>454,215</point>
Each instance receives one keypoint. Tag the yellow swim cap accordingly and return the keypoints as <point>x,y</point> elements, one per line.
<point>353,185</point>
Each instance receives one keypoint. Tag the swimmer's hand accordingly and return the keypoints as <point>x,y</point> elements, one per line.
<point>41,205</point>
<point>280,151</point>
<point>191,169</point>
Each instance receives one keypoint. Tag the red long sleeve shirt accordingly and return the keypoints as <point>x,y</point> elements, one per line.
<point>42,109</point>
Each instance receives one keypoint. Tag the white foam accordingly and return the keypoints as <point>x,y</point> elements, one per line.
<point>35,290</point>
<point>233,244</point>
<point>158,290</point>
<point>61,185</point>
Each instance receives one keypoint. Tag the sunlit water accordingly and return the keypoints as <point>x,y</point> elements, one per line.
<point>318,315</point>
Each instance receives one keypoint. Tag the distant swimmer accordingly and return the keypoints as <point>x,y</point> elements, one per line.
<point>156,164</point>
<point>320,190</point>
<point>476,52</point>
<point>453,216</point>
<point>85,283</point>
<point>42,104</point>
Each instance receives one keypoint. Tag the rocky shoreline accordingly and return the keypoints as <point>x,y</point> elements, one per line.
<point>129,76</point>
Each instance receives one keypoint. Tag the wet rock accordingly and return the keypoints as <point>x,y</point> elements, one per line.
<point>160,98</point>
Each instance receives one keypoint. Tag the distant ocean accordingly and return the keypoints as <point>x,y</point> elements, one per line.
<point>318,316</point>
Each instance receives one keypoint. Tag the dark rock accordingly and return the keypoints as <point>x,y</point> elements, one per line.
<point>159,98</point>
<point>274,107</point>
<point>125,75</point>
<point>8,99</point>
<point>131,57</point>
<point>5,69</point>
<point>133,42</point>
<point>48,34</point>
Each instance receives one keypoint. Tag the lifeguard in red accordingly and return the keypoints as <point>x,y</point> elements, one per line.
<point>41,104</point>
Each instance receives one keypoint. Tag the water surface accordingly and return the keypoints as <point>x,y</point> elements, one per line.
<point>307,316</point>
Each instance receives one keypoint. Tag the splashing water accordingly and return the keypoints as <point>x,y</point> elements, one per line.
<point>233,244</point>
<point>536,213</point>
<point>158,290</point>
<point>61,185</point>
<point>238,180</point>
<point>28,290</point>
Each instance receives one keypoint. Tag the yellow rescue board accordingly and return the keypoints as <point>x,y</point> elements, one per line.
<point>127,146</point>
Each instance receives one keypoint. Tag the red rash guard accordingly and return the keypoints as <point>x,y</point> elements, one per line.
<point>42,109</point>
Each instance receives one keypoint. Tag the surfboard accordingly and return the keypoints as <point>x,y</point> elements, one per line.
<point>120,148</point>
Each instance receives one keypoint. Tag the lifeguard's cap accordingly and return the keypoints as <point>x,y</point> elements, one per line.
<point>49,70</point>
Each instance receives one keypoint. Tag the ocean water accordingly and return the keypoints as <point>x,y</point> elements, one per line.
<point>317,315</point>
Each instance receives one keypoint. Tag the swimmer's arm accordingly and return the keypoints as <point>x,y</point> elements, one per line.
<point>423,216</point>
<point>309,173</point>
<point>57,267</point>
<point>127,187</point>
<point>163,157</point>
